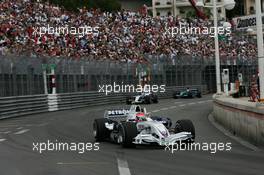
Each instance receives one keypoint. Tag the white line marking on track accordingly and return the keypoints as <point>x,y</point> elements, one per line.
<point>5,132</point>
<point>177,102</point>
<point>21,132</point>
<point>36,125</point>
<point>227,133</point>
<point>164,109</point>
<point>28,125</point>
<point>122,165</point>
<point>182,105</point>
<point>81,163</point>
<point>43,124</point>
<point>155,111</point>
<point>172,107</point>
<point>191,103</point>
<point>1,140</point>
<point>8,125</point>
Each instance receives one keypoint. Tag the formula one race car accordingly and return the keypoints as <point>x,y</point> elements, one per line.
<point>143,98</point>
<point>135,127</point>
<point>189,93</point>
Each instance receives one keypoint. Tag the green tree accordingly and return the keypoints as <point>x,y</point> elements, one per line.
<point>207,12</point>
<point>108,5</point>
<point>191,14</point>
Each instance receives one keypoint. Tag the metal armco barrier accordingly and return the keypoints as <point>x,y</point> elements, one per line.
<point>26,105</point>
<point>22,105</point>
<point>53,102</point>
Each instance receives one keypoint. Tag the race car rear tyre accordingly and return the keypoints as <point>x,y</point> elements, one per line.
<point>147,100</point>
<point>127,133</point>
<point>99,130</point>
<point>128,100</point>
<point>185,126</point>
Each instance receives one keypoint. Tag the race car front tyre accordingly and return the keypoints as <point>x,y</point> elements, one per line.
<point>127,133</point>
<point>100,132</point>
<point>175,96</point>
<point>155,100</point>
<point>185,126</point>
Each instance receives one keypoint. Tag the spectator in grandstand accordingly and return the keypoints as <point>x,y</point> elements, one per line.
<point>123,36</point>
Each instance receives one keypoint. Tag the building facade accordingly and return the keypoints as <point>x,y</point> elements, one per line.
<point>183,7</point>
<point>180,7</point>
<point>249,6</point>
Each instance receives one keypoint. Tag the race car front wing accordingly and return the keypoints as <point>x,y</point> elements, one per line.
<point>163,141</point>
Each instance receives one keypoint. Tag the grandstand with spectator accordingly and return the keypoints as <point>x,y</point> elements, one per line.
<point>123,36</point>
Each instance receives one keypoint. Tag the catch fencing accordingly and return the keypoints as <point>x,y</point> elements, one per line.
<point>21,76</point>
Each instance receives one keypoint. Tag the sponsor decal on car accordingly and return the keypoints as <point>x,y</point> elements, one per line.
<point>117,112</point>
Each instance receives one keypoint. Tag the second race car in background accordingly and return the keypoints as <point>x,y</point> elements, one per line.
<point>188,93</point>
<point>143,98</point>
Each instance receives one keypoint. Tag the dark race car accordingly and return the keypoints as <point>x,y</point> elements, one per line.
<point>189,93</point>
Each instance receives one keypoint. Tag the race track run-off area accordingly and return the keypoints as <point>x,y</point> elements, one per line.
<point>75,126</point>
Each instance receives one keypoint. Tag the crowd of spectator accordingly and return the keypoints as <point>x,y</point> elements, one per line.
<point>123,36</point>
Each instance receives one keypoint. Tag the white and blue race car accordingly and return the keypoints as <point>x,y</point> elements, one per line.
<point>142,98</point>
<point>136,127</point>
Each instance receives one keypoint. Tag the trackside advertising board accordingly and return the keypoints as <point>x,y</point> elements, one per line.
<point>245,22</point>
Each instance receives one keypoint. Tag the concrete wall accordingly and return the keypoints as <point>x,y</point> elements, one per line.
<point>242,118</point>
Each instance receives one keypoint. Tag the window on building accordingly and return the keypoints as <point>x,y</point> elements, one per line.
<point>182,11</point>
<point>239,9</point>
<point>252,10</point>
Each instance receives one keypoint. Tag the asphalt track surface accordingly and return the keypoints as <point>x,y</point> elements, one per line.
<point>18,135</point>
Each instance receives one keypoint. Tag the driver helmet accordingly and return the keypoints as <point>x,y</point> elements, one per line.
<point>141,117</point>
